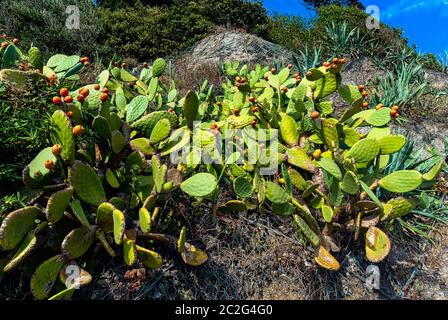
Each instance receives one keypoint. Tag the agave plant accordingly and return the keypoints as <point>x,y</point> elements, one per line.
<point>343,41</point>
<point>307,59</point>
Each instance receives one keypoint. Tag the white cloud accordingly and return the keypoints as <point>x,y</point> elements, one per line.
<point>405,6</point>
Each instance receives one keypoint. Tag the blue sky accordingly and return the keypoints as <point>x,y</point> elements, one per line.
<point>425,23</point>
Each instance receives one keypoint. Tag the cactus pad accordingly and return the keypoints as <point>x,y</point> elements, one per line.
<point>119,221</point>
<point>129,251</point>
<point>182,239</point>
<point>136,108</point>
<point>87,184</point>
<point>432,174</point>
<point>331,167</point>
<point>37,168</point>
<point>402,181</point>
<point>350,183</point>
<point>15,227</point>
<point>193,256</point>
<point>57,204</point>
<point>327,213</point>
<point>142,145</point>
<point>149,258</point>
<point>144,220</point>
<point>326,260</point>
<point>276,194</point>
<point>288,130</point>
<point>299,158</point>
<point>101,126</point>
<point>77,242</point>
<point>377,245</point>
<point>25,249</point>
<point>161,131</point>
<point>242,187</point>
<point>305,229</point>
<point>158,67</point>
<point>364,150</point>
<point>78,212</point>
<point>200,185</point>
<point>45,276</point>
<point>146,124</point>
<point>379,118</point>
<point>191,107</point>
<point>390,144</point>
<point>399,207</point>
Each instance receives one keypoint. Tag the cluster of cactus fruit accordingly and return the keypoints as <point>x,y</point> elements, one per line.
<point>108,170</point>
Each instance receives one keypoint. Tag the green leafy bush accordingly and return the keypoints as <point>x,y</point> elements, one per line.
<point>42,23</point>
<point>147,32</point>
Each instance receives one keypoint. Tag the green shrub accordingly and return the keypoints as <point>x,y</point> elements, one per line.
<point>146,32</point>
<point>42,22</point>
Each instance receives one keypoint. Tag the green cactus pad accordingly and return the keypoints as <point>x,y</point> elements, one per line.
<point>149,258</point>
<point>330,133</point>
<point>241,121</point>
<point>145,221</point>
<point>45,276</point>
<point>87,184</point>
<point>349,93</point>
<point>331,167</point>
<point>305,229</point>
<point>327,213</point>
<point>296,179</point>
<point>350,183</point>
<point>400,207</point>
<point>315,75</point>
<point>351,136</point>
<point>118,141</point>
<point>161,131</point>
<point>200,185</point>
<point>129,252</point>
<point>178,139</point>
<point>158,173</point>
<point>112,179</point>
<point>326,85</point>
<point>15,226</point>
<point>136,108</point>
<point>101,126</point>
<point>37,165</point>
<point>182,240</point>
<point>326,260</point>
<point>283,209</point>
<point>61,133</point>
<point>402,181</point>
<point>119,221</point>
<point>25,249</point>
<point>289,130</point>
<point>104,216</point>
<point>142,145</point>
<point>235,206</point>
<point>158,67</point>
<point>78,212</point>
<point>191,107</point>
<point>146,124</point>
<point>364,150</point>
<point>134,163</point>
<point>391,144</point>
<point>35,58</point>
<point>102,238</point>
<point>299,158</point>
<point>243,187</point>
<point>11,55</point>
<point>193,256</point>
<point>77,242</point>
<point>62,63</point>
<point>432,174</point>
<point>377,245</point>
<point>57,204</point>
<point>276,194</point>
<point>379,118</point>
